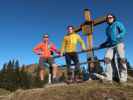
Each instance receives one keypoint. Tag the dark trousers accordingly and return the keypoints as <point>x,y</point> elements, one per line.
<point>72,57</point>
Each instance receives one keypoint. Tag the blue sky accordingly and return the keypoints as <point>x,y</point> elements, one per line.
<point>22,23</point>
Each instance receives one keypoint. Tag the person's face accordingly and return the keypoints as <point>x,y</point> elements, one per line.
<point>70,29</point>
<point>45,39</point>
<point>92,65</point>
<point>110,19</point>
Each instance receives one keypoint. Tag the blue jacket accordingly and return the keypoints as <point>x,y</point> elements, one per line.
<point>115,33</point>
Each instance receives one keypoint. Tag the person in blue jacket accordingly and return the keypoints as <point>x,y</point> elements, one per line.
<point>115,32</point>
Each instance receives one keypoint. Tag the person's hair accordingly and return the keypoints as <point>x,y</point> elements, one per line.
<point>111,15</point>
<point>86,9</point>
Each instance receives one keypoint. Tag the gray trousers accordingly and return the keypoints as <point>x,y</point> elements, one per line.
<point>123,69</point>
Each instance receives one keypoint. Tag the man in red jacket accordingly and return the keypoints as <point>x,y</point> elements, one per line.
<point>45,50</point>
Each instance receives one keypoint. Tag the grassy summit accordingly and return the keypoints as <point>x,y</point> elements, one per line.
<point>91,90</point>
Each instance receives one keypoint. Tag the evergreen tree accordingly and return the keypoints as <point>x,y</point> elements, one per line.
<point>25,78</point>
<point>9,67</point>
<point>17,69</point>
<point>4,68</point>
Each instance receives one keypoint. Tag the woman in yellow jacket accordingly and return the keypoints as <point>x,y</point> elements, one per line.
<point>69,49</point>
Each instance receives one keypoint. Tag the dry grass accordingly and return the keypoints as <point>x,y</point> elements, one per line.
<point>91,90</point>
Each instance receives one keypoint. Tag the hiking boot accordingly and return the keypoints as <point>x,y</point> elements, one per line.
<point>69,81</point>
<point>78,80</point>
<point>55,80</point>
<point>103,78</point>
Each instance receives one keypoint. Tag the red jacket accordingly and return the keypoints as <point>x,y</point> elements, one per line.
<point>45,49</point>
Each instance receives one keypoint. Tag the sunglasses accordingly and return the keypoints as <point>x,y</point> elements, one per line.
<point>109,17</point>
<point>45,37</point>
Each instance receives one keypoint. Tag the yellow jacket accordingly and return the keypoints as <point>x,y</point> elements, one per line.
<point>70,43</point>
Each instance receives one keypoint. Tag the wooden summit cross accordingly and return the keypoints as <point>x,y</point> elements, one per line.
<point>87,29</point>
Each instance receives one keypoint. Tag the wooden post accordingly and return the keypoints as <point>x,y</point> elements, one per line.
<point>88,29</point>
